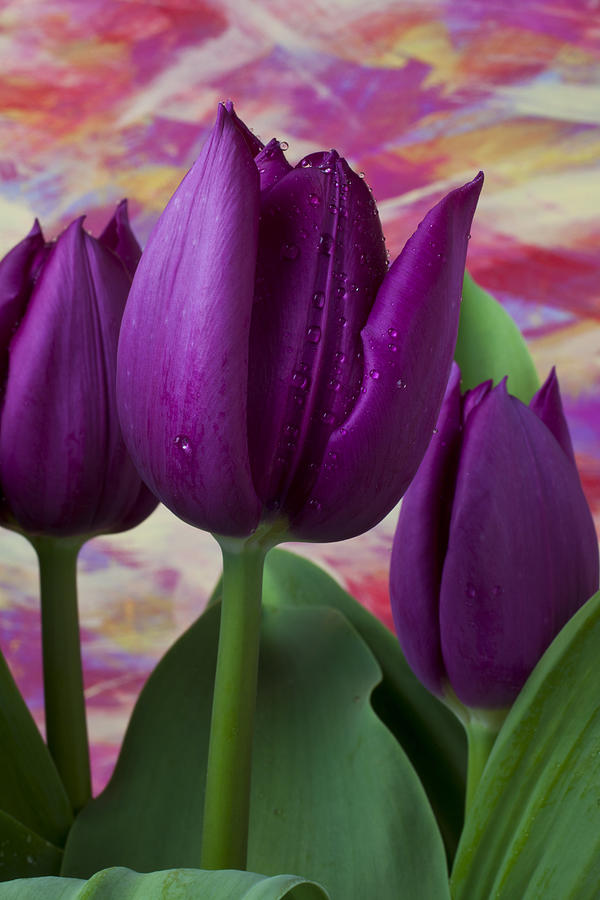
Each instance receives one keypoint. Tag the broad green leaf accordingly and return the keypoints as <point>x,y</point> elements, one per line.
<point>174,884</point>
<point>534,830</point>
<point>431,736</point>
<point>490,345</point>
<point>333,795</point>
<point>30,788</point>
<point>23,853</point>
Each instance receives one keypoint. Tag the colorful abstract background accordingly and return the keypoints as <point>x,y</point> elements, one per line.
<point>105,99</point>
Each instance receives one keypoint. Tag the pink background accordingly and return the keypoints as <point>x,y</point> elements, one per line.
<point>104,99</point>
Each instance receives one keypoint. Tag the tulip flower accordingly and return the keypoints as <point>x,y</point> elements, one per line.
<point>495,547</point>
<point>64,469</point>
<point>272,371</point>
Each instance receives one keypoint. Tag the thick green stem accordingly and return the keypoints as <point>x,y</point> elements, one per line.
<point>66,730</point>
<point>227,800</point>
<point>481,735</point>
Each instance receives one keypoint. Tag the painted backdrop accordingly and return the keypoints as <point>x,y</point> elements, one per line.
<point>104,99</point>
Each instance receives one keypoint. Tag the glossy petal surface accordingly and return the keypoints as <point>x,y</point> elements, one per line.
<point>407,350</point>
<point>522,553</point>
<point>420,544</point>
<point>63,465</point>
<point>183,354</point>
<point>547,405</point>
<point>321,258</point>
<point>119,238</point>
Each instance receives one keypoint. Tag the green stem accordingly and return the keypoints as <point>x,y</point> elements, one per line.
<point>227,799</point>
<point>481,735</point>
<point>66,730</point>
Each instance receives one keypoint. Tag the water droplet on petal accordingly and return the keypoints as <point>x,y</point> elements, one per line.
<point>182,442</point>
<point>313,334</point>
<point>319,299</point>
<point>300,380</point>
<point>392,332</point>
<point>374,374</point>
<point>284,145</point>
<point>335,385</point>
<point>328,417</point>
<point>401,384</point>
<point>314,504</point>
<point>325,244</point>
<point>392,347</point>
<point>313,199</point>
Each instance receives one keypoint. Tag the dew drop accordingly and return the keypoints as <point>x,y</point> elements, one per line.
<point>392,347</point>
<point>182,442</point>
<point>374,374</point>
<point>401,384</point>
<point>392,332</point>
<point>325,244</point>
<point>435,431</point>
<point>328,417</point>
<point>342,321</point>
<point>284,145</point>
<point>300,381</point>
<point>314,200</point>
<point>343,430</point>
<point>292,430</point>
<point>306,163</point>
<point>332,454</point>
<point>289,251</point>
<point>319,299</point>
<point>361,175</point>
<point>339,355</point>
<point>313,334</point>
<point>314,504</point>
<point>335,385</point>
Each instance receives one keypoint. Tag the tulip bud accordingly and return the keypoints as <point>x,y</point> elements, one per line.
<point>495,547</point>
<point>64,469</point>
<point>271,370</point>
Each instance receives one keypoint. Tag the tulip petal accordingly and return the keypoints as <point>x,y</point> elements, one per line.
<point>59,425</point>
<point>272,165</point>
<point>183,352</point>
<point>119,238</point>
<point>321,259</point>
<point>15,283</point>
<point>408,343</point>
<point>522,554</point>
<point>253,143</point>
<point>547,405</point>
<point>420,544</point>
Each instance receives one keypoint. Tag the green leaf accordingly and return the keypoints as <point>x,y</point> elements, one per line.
<point>333,795</point>
<point>431,736</point>
<point>23,852</point>
<point>30,788</point>
<point>490,345</point>
<point>174,884</point>
<point>534,830</point>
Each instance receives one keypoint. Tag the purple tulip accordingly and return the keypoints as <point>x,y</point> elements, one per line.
<point>64,468</point>
<point>495,547</point>
<point>270,366</point>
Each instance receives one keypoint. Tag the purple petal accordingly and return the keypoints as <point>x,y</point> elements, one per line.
<point>321,259</point>
<point>522,553</point>
<point>63,465</point>
<point>254,143</point>
<point>16,282</point>
<point>272,165</point>
<point>473,397</point>
<point>420,544</point>
<point>547,405</point>
<point>183,353</point>
<point>119,238</point>
<point>408,344</point>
